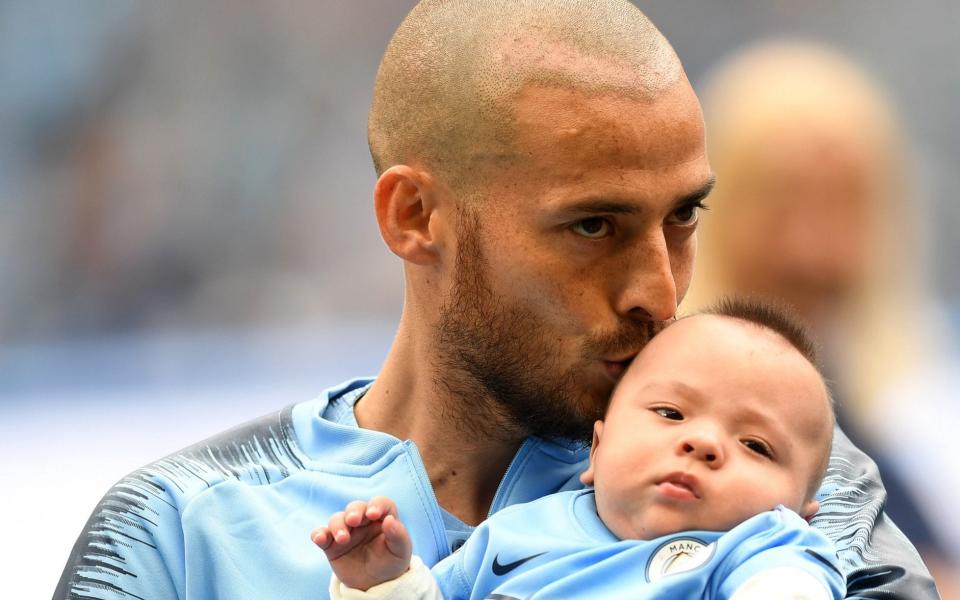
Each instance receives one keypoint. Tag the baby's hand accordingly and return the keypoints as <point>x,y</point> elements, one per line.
<point>366,544</point>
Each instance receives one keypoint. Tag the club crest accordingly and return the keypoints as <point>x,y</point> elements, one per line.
<point>676,556</point>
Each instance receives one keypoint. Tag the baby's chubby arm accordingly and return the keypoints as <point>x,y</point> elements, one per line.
<point>370,551</point>
<point>366,543</point>
<point>777,555</point>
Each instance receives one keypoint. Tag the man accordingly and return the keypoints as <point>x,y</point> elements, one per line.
<point>541,166</point>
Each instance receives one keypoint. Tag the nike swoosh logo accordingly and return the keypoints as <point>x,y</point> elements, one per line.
<point>500,569</point>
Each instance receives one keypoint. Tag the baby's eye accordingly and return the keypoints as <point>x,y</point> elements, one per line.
<point>758,447</point>
<point>669,413</point>
<point>594,228</point>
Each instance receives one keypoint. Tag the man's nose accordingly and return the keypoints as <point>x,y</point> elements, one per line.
<point>650,288</point>
<point>704,446</point>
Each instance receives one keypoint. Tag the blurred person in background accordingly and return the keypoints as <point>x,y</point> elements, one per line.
<point>813,207</point>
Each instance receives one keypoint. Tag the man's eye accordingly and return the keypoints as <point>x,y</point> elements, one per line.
<point>687,215</point>
<point>669,413</point>
<point>758,447</point>
<point>593,228</point>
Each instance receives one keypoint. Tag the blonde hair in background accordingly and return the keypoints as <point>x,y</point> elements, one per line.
<point>883,326</point>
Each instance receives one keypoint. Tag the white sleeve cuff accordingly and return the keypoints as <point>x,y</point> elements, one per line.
<point>783,583</point>
<point>416,584</point>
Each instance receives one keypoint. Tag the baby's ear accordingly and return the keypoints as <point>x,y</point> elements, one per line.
<point>810,508</point>
<point>586,478</point>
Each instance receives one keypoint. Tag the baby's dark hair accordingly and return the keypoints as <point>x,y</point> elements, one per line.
<point>782,320</point>
<point>777,317</point>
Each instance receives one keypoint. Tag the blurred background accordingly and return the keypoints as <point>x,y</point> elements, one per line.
<point>186,223</point>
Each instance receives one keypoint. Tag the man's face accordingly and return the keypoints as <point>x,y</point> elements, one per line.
<point>716,421</point>
<point>578,249</point>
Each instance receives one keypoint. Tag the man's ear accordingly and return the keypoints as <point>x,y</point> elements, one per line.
<point>810,508</point>
<point>586,478</point>
<point>405,200</point>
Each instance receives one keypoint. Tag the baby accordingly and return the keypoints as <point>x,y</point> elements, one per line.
<point>703,476</point>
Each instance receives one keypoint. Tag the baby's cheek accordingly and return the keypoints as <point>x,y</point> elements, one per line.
<point>777,491</point>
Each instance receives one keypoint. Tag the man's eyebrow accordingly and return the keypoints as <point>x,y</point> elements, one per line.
<point>601,206</point>
<point>701,193</point>
<point>607,206</point>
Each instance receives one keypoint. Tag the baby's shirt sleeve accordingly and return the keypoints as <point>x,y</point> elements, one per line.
<point>459,575</point>
<point>778,555</point>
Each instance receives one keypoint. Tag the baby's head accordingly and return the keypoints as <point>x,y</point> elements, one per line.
<point>721,417</point>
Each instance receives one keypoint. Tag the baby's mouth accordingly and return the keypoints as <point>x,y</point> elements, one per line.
<point>680,486</point>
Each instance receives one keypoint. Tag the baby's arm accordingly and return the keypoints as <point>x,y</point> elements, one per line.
<point>778,556</point>
<point>370,553</point>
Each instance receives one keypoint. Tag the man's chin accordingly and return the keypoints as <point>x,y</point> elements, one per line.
<point>595,396</point>
<point>571,420</point>
<point>581,413</point>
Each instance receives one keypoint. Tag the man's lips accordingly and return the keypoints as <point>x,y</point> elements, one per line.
<point>616,368</point>
<point>679,486</point>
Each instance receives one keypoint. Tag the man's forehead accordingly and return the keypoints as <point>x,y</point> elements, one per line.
<point>608,130</point>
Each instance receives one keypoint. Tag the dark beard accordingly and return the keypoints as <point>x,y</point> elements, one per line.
<point>498,364</point>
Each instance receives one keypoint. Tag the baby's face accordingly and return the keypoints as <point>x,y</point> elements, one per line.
<point>715,421</point>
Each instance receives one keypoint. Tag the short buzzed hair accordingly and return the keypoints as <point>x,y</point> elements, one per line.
<point>443,90</point>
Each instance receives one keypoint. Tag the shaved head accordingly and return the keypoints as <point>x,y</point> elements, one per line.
<point>444,91</point>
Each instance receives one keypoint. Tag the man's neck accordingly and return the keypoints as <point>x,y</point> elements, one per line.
<point>465,467</point>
